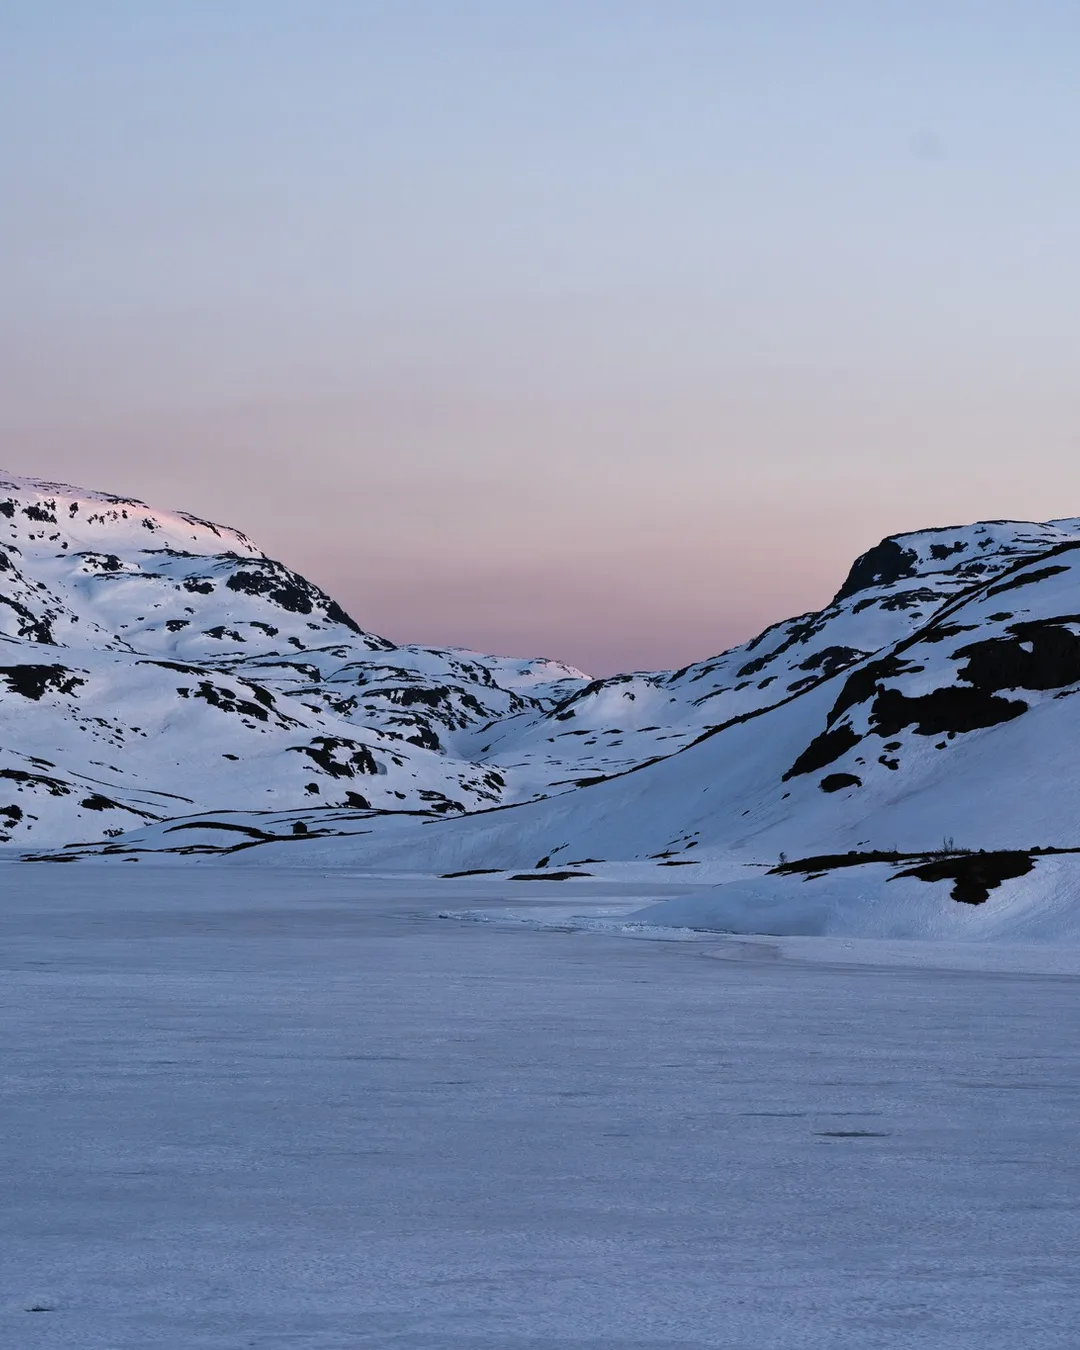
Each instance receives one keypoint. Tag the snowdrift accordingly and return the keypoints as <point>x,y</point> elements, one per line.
<point>882,900</point>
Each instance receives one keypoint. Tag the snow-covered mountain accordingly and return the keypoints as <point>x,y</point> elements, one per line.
<point>152,664</point>
<point>612,725</point>
<point>162,673</point>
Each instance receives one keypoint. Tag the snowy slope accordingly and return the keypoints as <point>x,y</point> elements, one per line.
<point>152,663</point>
<point>610,725</point>
<point>962,726</point>
<point>166,679</point>
<point>1029,898</point>
<point>965,727</point>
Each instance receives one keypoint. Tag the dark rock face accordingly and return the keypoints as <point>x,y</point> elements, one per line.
<point>886,562</point>
<point>829,660</point>
<point>283,590</point>
<point>426,738</point>
<point>338,757</point>
<point>941,551</point>
<point>975,874</point>
<point>290,592</point>
<point>96,802</point>
<point>55,787</point>
<point>100,562</point>
<point>952,709</point>
<point>31,626</point>
<point>1041,654</point>
<point>824,749</point>
<point>336,614</point>
<point>33,681</point>
<point>833,782</point>
<point>1037,654</point>
<point>1026,579</point>
<point>909,599</point>
<point>798,631</point>
<point>863,683</point>
<point>230,701</point>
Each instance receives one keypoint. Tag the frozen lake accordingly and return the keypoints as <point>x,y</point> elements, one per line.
<point>285,1110</point>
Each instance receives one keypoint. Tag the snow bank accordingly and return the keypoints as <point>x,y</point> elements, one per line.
<point>873,901</point>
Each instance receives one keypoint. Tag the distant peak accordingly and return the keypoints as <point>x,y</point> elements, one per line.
<point>69,501</point>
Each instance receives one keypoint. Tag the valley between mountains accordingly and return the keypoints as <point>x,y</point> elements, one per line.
<point>168,689</point>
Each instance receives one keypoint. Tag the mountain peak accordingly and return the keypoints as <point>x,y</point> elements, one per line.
<point>963,550</point>
<point>86,516</point>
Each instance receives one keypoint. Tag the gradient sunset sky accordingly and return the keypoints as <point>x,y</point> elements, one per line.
<point>606,330</point>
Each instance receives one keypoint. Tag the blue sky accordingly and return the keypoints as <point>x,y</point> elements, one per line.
<point>606,330</point>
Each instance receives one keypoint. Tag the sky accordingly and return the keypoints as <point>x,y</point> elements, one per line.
<point>609,330</point>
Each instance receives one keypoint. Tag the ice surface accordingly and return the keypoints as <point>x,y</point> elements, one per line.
<point>248,1107</point>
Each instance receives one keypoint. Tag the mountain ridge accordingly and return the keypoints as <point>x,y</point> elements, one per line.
<point>825,732</point>
<point>121,623</point>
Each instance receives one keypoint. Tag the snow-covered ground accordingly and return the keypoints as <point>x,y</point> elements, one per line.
<point>280,1108</point>
<point>153,664</point>
<point>167,687</point>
